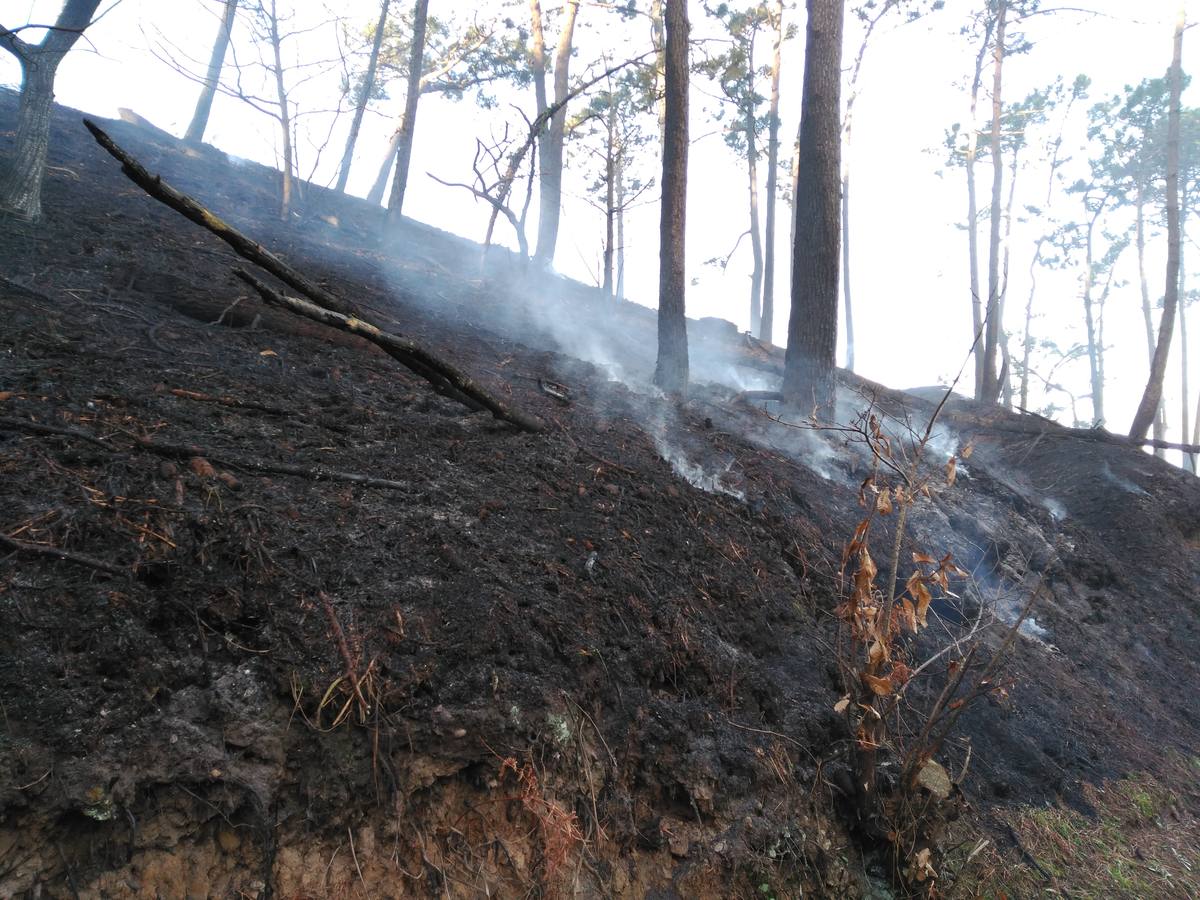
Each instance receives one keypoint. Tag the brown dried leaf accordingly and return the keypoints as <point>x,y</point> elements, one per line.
<point>881,687</point>
<point>877,654</point>
<point>5,395</point>
<point>907,615</point>
<point>842,705</point>
<point>919,558</point>
<point>923,597</point>
<point>951,470</point>
<point>966,451</point>
<point>883,503</point>
<point>867,485</point>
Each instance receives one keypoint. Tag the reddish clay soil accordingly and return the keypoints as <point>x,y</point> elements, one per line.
<point>515,664</point>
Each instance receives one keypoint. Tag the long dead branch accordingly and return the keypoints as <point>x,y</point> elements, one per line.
<point>193,210</point>
<point>402,349</point>
<point>189,451</point>
<point>66,555</point>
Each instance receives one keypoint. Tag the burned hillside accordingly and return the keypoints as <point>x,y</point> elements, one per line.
<point>276,619</point>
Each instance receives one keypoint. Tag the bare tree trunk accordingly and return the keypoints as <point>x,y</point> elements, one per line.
<point>360,104</point>
<point>990,391</point>
<point>375,195</point>
<point>21,174</point>
<point>195,130</point>
<point>1159,425</point>
<point>537,67</point>
<point>767,326</point>
<point>660,65</point>
<point>285,118</point>
<point>756,244</point>
<point>1006,389</point>
<point>1189,459</point>
<point>973,215</point>
<point>671,370</point>
<point>550,198</point>
<point>1093,343</point>
<point>808,382</point>
<point>610,188</point>
<point>1152,398</point>
<point>1027,343</point>
<point>409,124</point>
<point>620,177</point>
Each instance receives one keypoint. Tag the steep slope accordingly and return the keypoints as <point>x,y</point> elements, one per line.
<point>594,662</point>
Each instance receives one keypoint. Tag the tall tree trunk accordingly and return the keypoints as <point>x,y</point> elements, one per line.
<point>361,101</point>
<point>767,326</point>
<point>808,382</point>
<point>21,173</point>
<point>990,392</point>
<point>285,117</point>
<point>756,244</point>
<point>977,335</point>
<point>408,125</point>
<point>550,198</point>
<point>1189,459</point>
<point>1144,284</point>
<point>671,369</point>
<point>610,195</point>
<point>1027,342</point>
<point>1093,342</point>
<point>196,128</point>
<point>375,195</point>
<point>660,64</point>
<point>537,69</point>
<point>620,176</point>
<point>1006,369</point>
<point>1152,397</point>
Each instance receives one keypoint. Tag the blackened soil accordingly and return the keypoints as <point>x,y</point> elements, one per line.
<point>294,651</point>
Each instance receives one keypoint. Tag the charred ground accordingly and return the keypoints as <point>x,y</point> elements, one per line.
<point>657,660</point>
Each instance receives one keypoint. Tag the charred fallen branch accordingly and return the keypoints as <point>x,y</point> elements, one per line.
<point>435,370</point>
<point>191,209</point>
<point>90,562</point>
<point>191,451</point>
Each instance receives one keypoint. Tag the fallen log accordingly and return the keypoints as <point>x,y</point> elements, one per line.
<point>194,211</point>
<point>403,350</point>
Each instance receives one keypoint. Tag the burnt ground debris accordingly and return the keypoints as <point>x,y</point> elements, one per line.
<point>307,684</point>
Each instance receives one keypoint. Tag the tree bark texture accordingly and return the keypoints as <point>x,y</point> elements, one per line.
<point>360,104</point>
<point>550,196</point>
<point>756,241</point>
<point>285,118</point>
<point>21,174</point>
<point>409,124</point>
<point>671,370</point>
<point>1152,397</point>
<point>808,382</point>
<point>198,125</point>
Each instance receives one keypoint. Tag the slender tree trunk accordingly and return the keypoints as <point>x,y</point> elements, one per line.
<point>767,326</point>
<point>550,198</point>
<point>671,370</point>
<point>1152,397</point>
<point>808,383</point>
<point>537,68</point>
<point>620,175</point>
<point>1027,343</point>
<point>610,195</point>
<point>196,128</point>
<point>977,335</point>
<point>1189,459</point>
<point>1093,343</point>
<point>408,125</point>
<point>21,173</point>
<point>375,195</point>
<point>794,173</point>
<point>991,384</point>
<point>756,243</point>
<point>285,117</point>
<point>361,101</point>
<point>1006,373</point>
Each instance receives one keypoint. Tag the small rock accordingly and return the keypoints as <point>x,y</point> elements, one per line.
<point>168,470</point>
<point>679,846</point>
<point>228,840</point>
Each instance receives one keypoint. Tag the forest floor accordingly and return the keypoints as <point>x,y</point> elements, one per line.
<point>599,661</point>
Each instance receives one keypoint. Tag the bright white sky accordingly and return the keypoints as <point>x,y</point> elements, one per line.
<point>910,260</point>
